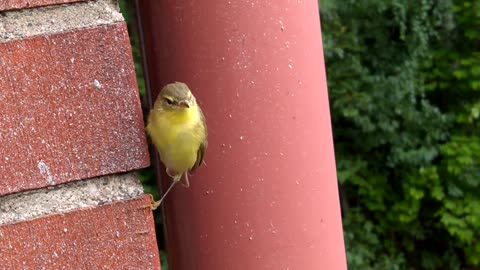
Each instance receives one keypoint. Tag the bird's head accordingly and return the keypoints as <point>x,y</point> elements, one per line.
<point>175,96</point>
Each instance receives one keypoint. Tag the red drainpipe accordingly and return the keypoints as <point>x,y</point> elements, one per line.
<point>268,197</point>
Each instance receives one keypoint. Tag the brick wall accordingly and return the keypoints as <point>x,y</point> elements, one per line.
<point>71,136</point>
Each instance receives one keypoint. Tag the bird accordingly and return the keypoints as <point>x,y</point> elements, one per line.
<point>178,130</point>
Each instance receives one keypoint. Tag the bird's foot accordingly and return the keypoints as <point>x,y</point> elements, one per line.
<point>153,204</point>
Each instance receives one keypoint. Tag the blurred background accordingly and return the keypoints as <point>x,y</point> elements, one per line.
<point>404,86</point>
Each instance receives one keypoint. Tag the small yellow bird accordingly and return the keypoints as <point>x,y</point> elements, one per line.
<point>178,130</point>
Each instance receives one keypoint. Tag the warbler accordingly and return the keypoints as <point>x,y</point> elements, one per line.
<point>178,130</point>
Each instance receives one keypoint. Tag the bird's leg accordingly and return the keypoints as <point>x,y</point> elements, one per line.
<point>156,204</point>
<point>185,181</point>
<point>176,178</point>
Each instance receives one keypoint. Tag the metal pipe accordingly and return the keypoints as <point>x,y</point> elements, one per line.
<point>268,197</point>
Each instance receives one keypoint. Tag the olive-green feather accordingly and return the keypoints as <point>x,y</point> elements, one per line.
<point>203,145</point>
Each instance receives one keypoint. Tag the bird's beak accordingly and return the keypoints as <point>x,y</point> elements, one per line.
<point>185,104</point>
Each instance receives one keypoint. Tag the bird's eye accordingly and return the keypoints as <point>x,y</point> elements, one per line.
<point>169,101</point>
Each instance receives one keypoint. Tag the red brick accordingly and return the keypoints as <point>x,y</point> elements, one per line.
<point>19,4</point>
<point>113,236</point>
<point>69,108</point>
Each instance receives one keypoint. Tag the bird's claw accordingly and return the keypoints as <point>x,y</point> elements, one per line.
<point>153,204</point>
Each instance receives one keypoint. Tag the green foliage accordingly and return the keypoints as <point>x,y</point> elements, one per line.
<point>404,86</point>
<point>127,9</point>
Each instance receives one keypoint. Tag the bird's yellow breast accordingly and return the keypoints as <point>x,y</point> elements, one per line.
<point>177,134</point>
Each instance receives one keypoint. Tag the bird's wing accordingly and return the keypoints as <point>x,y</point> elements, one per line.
<point>200,156</point>
<point>203,145</point>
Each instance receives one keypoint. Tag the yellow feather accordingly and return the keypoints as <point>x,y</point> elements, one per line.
<point>177,136</point>
<point>178,129</point>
